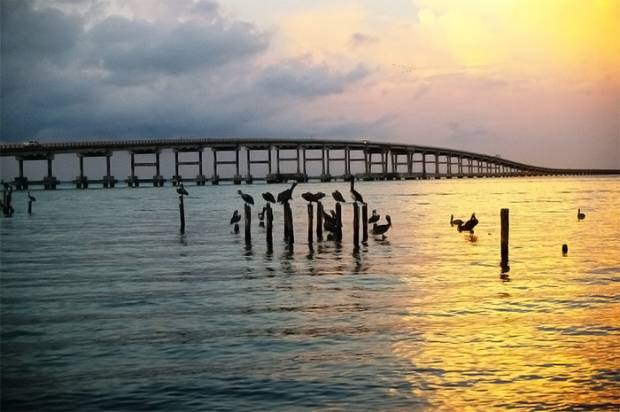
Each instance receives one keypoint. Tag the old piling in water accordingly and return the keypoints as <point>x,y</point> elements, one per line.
<point>182,214</point>
<point>338,233</point>
<point>356,225</point>
<point>310,222</point>
<point>248,223</point>
<point>319,221</point>
<point>289,235</point>
<point>29,207</point>
<point>504,236</point>
<point>364,223</point>
<point>269,228</point>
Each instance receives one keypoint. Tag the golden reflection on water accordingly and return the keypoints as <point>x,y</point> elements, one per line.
<point>549,337</point>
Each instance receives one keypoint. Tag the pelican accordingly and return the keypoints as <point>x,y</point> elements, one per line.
<point>382,229</point>
<point>246,198</point>
<point>31,198</point>
<point>357,197</point>
<point>375,217</point>
<point>338,196</point>
<point>269,197</point>
<point>469,225</point>
<point>181,190</point>
<point>261,214</point>
<point>455,222</point>
<point>331,218</point>
<point>580,216</point>
<point>287,195</point>
<point>313,197</point>
<point>236,217</point>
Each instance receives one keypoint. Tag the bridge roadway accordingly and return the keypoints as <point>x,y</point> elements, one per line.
<point>380,160</point>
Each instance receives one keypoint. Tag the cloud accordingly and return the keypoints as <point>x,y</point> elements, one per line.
<point>360,39</point>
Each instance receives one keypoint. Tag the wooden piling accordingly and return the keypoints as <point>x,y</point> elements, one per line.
<point>288,224</point>
<point>30,207</point>
<point>310,222</point>
<point>236,228</point>
<point>248,223</point>
<point>319,221</point>
<point>182,214</point>
<point>269,227</point>
<point>364,223</point>
<point>504,235</point>
<point>338,233</point>
<point>356,225</point>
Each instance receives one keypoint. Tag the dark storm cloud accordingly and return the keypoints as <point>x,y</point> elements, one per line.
<point>118,77</point>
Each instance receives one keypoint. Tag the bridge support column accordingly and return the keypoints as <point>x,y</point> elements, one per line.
<point>108,179</point>
<point>449,166</point>
<point>21,182</point>
<point>460,167</point>
<point>50,181</point>
<point>158,179</point>
<point>437,166</point>
<point>237,177</point>
<point>248,177</point>
<point>176,179</point>
<point>81,182</point>
<point>215,179</point>
<point>347,162</point>
<point>325,177</point>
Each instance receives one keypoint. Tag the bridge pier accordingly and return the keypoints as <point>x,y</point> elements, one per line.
<point>133,180</point>
<point>437,166</point>
<point>178,178</point>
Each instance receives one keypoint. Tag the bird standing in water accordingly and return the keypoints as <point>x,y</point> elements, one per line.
<point>181,190</point>
<point>375,217</point>
<point>580,216</point>
<point>261,217</point>
<point>382,229</point>
<point>234,220</point>
<point>455,222</point>
<point>30,200</point>
<point>469,225</point>
<point>246,198</point>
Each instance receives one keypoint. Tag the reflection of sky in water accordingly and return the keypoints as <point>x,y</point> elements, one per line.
<point>105,301</point>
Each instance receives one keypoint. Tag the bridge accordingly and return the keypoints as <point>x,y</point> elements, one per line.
<point>361,159</point>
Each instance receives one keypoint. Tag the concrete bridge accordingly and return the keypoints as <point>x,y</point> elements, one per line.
<point>362,159</point>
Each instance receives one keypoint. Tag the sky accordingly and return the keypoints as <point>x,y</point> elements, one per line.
<point>536,81</point>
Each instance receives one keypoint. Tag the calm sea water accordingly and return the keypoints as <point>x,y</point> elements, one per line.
<point>104,306</point>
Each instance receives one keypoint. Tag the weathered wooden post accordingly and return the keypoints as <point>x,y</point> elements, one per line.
<point>310,222</point>
<point>29,207</point>
<point>319,221</point>
<point>504,236</point>
<point>289,235</point>
<point>248,223</point>
<point>338,233</point>
<point>356,225</point>
<point>364,223</point>
<point>269,227</point>
<point>182,214</point>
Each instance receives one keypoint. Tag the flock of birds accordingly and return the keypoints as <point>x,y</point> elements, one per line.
<point>330,220</point>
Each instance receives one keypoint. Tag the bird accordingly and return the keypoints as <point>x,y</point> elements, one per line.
<point>382,229</point>
<point>181,190</point>
<point>236,217</point>
<point>469,225</point>
<point>331,218</point>
<point>261,214</point>
<point>31,198</point>
<point>375,217</point>
<point>312,197</point>
<point>357,197</point>
<point>286,195</point>
<point>455,222</point>
<point>246,198</point>
<point>580,216</point>
<point>338,196</point>
<point>269,197</point>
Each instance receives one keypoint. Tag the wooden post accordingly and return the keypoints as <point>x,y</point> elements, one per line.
<point>338,233</point>
<point>288,224</point>
<point>310,218</point>
<point>364,223</point>
<point>269,228</point>
<point>29,207</point>
<point>182,214</point>
<point>504,240</point>
<point>356,225</point>
<point>248,223</point>
<point>319,221</point>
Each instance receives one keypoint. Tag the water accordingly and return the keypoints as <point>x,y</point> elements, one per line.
<point>104,306</point>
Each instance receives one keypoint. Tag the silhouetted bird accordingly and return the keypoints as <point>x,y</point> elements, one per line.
<point>469,225</point>
<point>580,216</point>
<point>455,222</point>
<point>287,195</point>
<point>338,196</point>
<point>382,229</point>
<point>246,198</point>
<point>354,193</point>
<point>261,214</point>
<point>375,217</point>
<point>331,218</point>
<point>31,198</point>
<point>236,217</point>
<point>269,197</point>
<point>313,197</point>
<point>181,190</point>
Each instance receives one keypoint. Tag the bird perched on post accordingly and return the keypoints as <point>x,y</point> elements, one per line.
<point>357,197</point>
<point>375,217</point>
<point>580,216</point>
<point>455,222</point>
<point>269,197</point>
<point>338,196</point>
<point>181,190</point>
<point>382,229</point>
<point>246,198</point>
<point>469,225</point>
<point>286,195</point>
<point>312,197</point>
<point>31,198</point>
